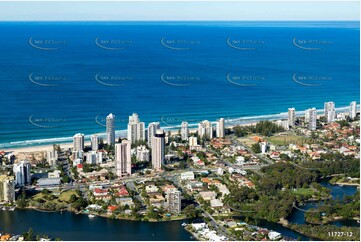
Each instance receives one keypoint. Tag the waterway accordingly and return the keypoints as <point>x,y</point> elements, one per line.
<point>298,217</point>
<point>337,192</point>
<point>70,226</point>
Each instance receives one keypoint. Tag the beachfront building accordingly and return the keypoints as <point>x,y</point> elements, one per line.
<point>311,118</point>
<point>136,131</point>
<point>52,157</point>
<point>353,110</point>
<point>152,127</point>
<point>184,131</point>
<point>220,130</point>
<point>94,142</point>
<point>329,111</point>
<point>173,200</point>
<point>291,117</point>
<point>7,189</point>
<point>123,159</point>
<point>22,173</point>
<point>110,129</point>
<point>205,129</point>
<point>158,146</point>
<point>283,124</point>
<point>78,142</point>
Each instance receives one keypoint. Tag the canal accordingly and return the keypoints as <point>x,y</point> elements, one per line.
<point>337,192</point>
<point>70,226</point>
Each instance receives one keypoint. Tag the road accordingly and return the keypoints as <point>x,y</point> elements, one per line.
<point>262,158</point>
<point>220,229</point>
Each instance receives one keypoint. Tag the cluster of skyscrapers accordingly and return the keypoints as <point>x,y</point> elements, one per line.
<point>311,114</point>
<point>205,129</point>
<point>155,140</point>
<point>136,132</point>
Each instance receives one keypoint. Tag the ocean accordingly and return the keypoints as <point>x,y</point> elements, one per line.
<point>62,78</point>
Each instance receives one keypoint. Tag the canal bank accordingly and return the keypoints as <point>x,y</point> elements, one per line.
<point>337,192</point>
<point>298,216</point>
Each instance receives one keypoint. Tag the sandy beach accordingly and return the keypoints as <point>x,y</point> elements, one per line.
<point>44,148</point>
<point>40,148</point>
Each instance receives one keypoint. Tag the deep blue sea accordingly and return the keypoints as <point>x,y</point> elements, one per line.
<point>61,78</point>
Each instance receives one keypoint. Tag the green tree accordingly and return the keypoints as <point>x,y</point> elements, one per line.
<point>190,211</point>
<point>256,148</point>
<point>29,236</point>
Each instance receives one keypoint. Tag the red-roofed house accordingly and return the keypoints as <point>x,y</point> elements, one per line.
<point>112,208</point>
<point>122,192</point>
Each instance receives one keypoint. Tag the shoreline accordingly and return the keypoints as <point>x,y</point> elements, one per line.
<point>330,220</point>
<point>108,216</point>
<point>241,121</point>
<point>345,184</point>
<point>67,145</point>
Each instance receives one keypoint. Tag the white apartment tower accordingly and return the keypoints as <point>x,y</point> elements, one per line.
<point>311,118</point>
<point>152,128</point>
<point>173,201</point>
<point>205,129</point>
<point>78,142</point>
<point>291,117</point>
<point>136,130</point>
<point>7,189</point>
<point>123,158</point>
<point>193,141</point>
<point>94,142</point>
<point>110,129</point>
<point>330,113</point>
<point>220,131</point>
<point>52,157</point>
<point>142,153</point>
<point>353,109</point>
<point>91,157</point>
<point>184,131</point>
<point>22,173</point>
<point>158,144</point>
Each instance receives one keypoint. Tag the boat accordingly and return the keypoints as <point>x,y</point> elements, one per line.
<point>91,216</point>
<point>184,224</point>
<point>12,209</point>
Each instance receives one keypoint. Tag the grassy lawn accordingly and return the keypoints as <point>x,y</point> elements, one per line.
<point>304,191</point>
<point>39,195</point>
<point>287,139</point>
<point>65,196</point>
<point>247,140</point>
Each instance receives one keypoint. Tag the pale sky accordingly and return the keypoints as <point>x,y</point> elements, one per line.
<point>191,11</point>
